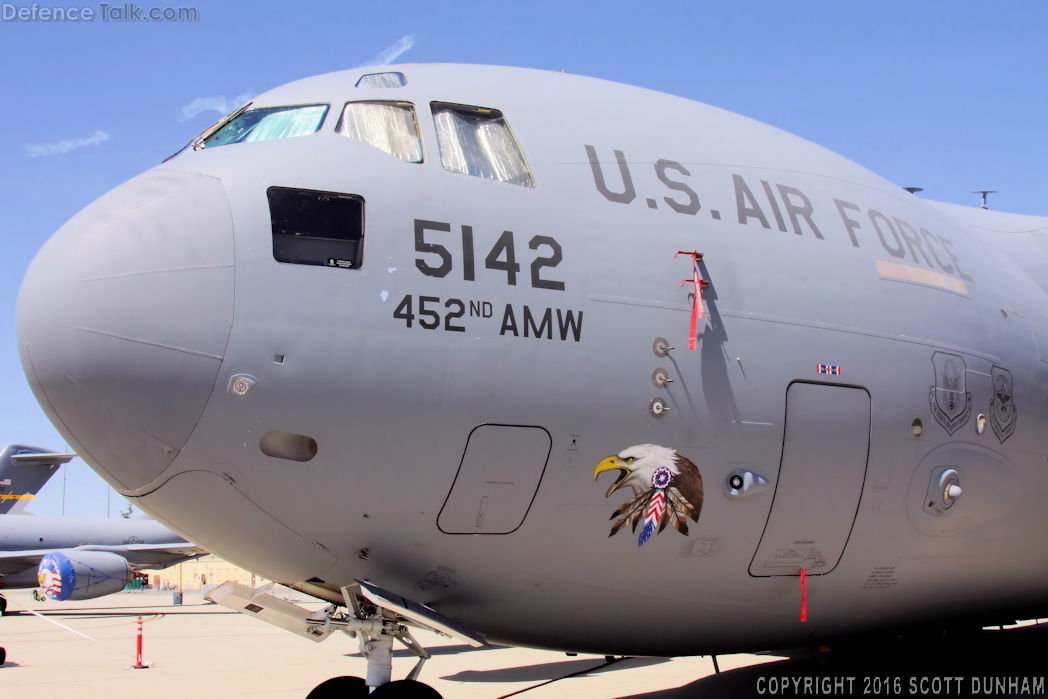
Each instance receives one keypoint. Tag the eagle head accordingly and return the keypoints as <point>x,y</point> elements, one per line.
<point>636,466</point>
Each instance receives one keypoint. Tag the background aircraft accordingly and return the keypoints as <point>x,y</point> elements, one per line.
<point>404,412</point>
<point>78,558</point>
<point>23,472</point>
<point>73,557</point>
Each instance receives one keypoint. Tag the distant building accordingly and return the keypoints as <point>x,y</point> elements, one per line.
<point>207,571</point>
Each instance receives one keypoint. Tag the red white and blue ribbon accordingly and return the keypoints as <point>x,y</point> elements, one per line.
<point>660,480</point>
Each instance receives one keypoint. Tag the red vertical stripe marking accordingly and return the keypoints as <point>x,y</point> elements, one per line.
<point>804,597</point>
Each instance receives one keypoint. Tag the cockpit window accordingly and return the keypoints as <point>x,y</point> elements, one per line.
<point>389,126</point>
<point>268,123</point>
<point>477,141</point>
<point>390,79</point>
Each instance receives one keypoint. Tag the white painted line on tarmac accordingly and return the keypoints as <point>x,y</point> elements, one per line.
<point>60,625</point>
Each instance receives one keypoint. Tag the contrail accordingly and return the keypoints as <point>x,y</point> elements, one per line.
<point>222,105</point>
<point>37,150</point>
<point>390,53</point>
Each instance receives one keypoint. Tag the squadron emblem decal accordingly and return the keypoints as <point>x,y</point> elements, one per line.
<point>950,402</point>
<point>667,487</point>
<point>1002,405</point>
<point>49,576</point>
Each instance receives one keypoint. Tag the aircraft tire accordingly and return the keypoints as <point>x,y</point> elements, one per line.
<point>3,656</point>
<point>3,605</point>
<point>344,687</point>
<point>405,689</point>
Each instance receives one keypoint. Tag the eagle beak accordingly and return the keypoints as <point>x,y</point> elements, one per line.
<point>613,463</point>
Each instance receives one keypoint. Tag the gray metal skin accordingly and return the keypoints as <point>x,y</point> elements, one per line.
<point>136,317</point>
<point>22,478</point>
<point>24,540</point>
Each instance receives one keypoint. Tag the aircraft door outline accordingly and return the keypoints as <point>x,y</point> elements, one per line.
<point>813,510</point>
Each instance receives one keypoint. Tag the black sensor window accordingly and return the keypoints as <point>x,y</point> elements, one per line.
<point>317,228</point>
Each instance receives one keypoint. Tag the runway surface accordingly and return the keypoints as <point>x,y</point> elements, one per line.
<point>202,650</point>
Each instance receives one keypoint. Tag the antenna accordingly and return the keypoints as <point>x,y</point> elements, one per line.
<point>984,192</point>
<point>914,190</point>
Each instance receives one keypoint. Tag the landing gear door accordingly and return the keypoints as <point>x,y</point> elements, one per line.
<point>824,456</point>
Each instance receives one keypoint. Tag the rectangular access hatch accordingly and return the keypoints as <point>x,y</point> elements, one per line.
<point>497,480</point>
<point>311,227</point>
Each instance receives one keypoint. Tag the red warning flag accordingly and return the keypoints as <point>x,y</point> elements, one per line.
<point>698,282</point>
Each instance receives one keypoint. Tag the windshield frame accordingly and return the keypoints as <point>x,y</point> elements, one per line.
<point>201,142</point>
<point>196,143</point>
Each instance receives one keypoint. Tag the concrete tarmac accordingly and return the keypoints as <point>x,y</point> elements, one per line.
<point>202,650</point>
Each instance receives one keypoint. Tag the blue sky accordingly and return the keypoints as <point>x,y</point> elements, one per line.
<point>949,96</point>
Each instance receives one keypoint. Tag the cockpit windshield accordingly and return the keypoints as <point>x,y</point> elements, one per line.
<point>477,141</point>
<point>268,123</point>
<point>389,126</point>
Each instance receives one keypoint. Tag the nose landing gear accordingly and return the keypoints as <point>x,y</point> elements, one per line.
<point>372,615</point>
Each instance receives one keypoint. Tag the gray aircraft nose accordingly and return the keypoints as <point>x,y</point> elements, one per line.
<point>123,319</point>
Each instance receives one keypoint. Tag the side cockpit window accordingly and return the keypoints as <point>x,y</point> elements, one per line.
<point>389,126</point>
<point>268,123</point>
<point>311,227</point>
<point>477,141</point>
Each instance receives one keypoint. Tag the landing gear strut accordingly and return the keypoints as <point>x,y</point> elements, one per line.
<point>376,632</point>
<point>370,614</point>
<point>375,628</point>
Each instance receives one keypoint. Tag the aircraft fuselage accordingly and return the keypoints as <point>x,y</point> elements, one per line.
<point>438,417</point>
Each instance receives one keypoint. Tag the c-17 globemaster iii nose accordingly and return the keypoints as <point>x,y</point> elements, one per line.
<point>123,319</point>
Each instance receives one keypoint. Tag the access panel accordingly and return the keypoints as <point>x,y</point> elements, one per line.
<point>497,480</point>
<point>824,455</point>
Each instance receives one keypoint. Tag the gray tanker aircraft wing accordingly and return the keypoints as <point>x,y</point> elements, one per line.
<point>139,556</point>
